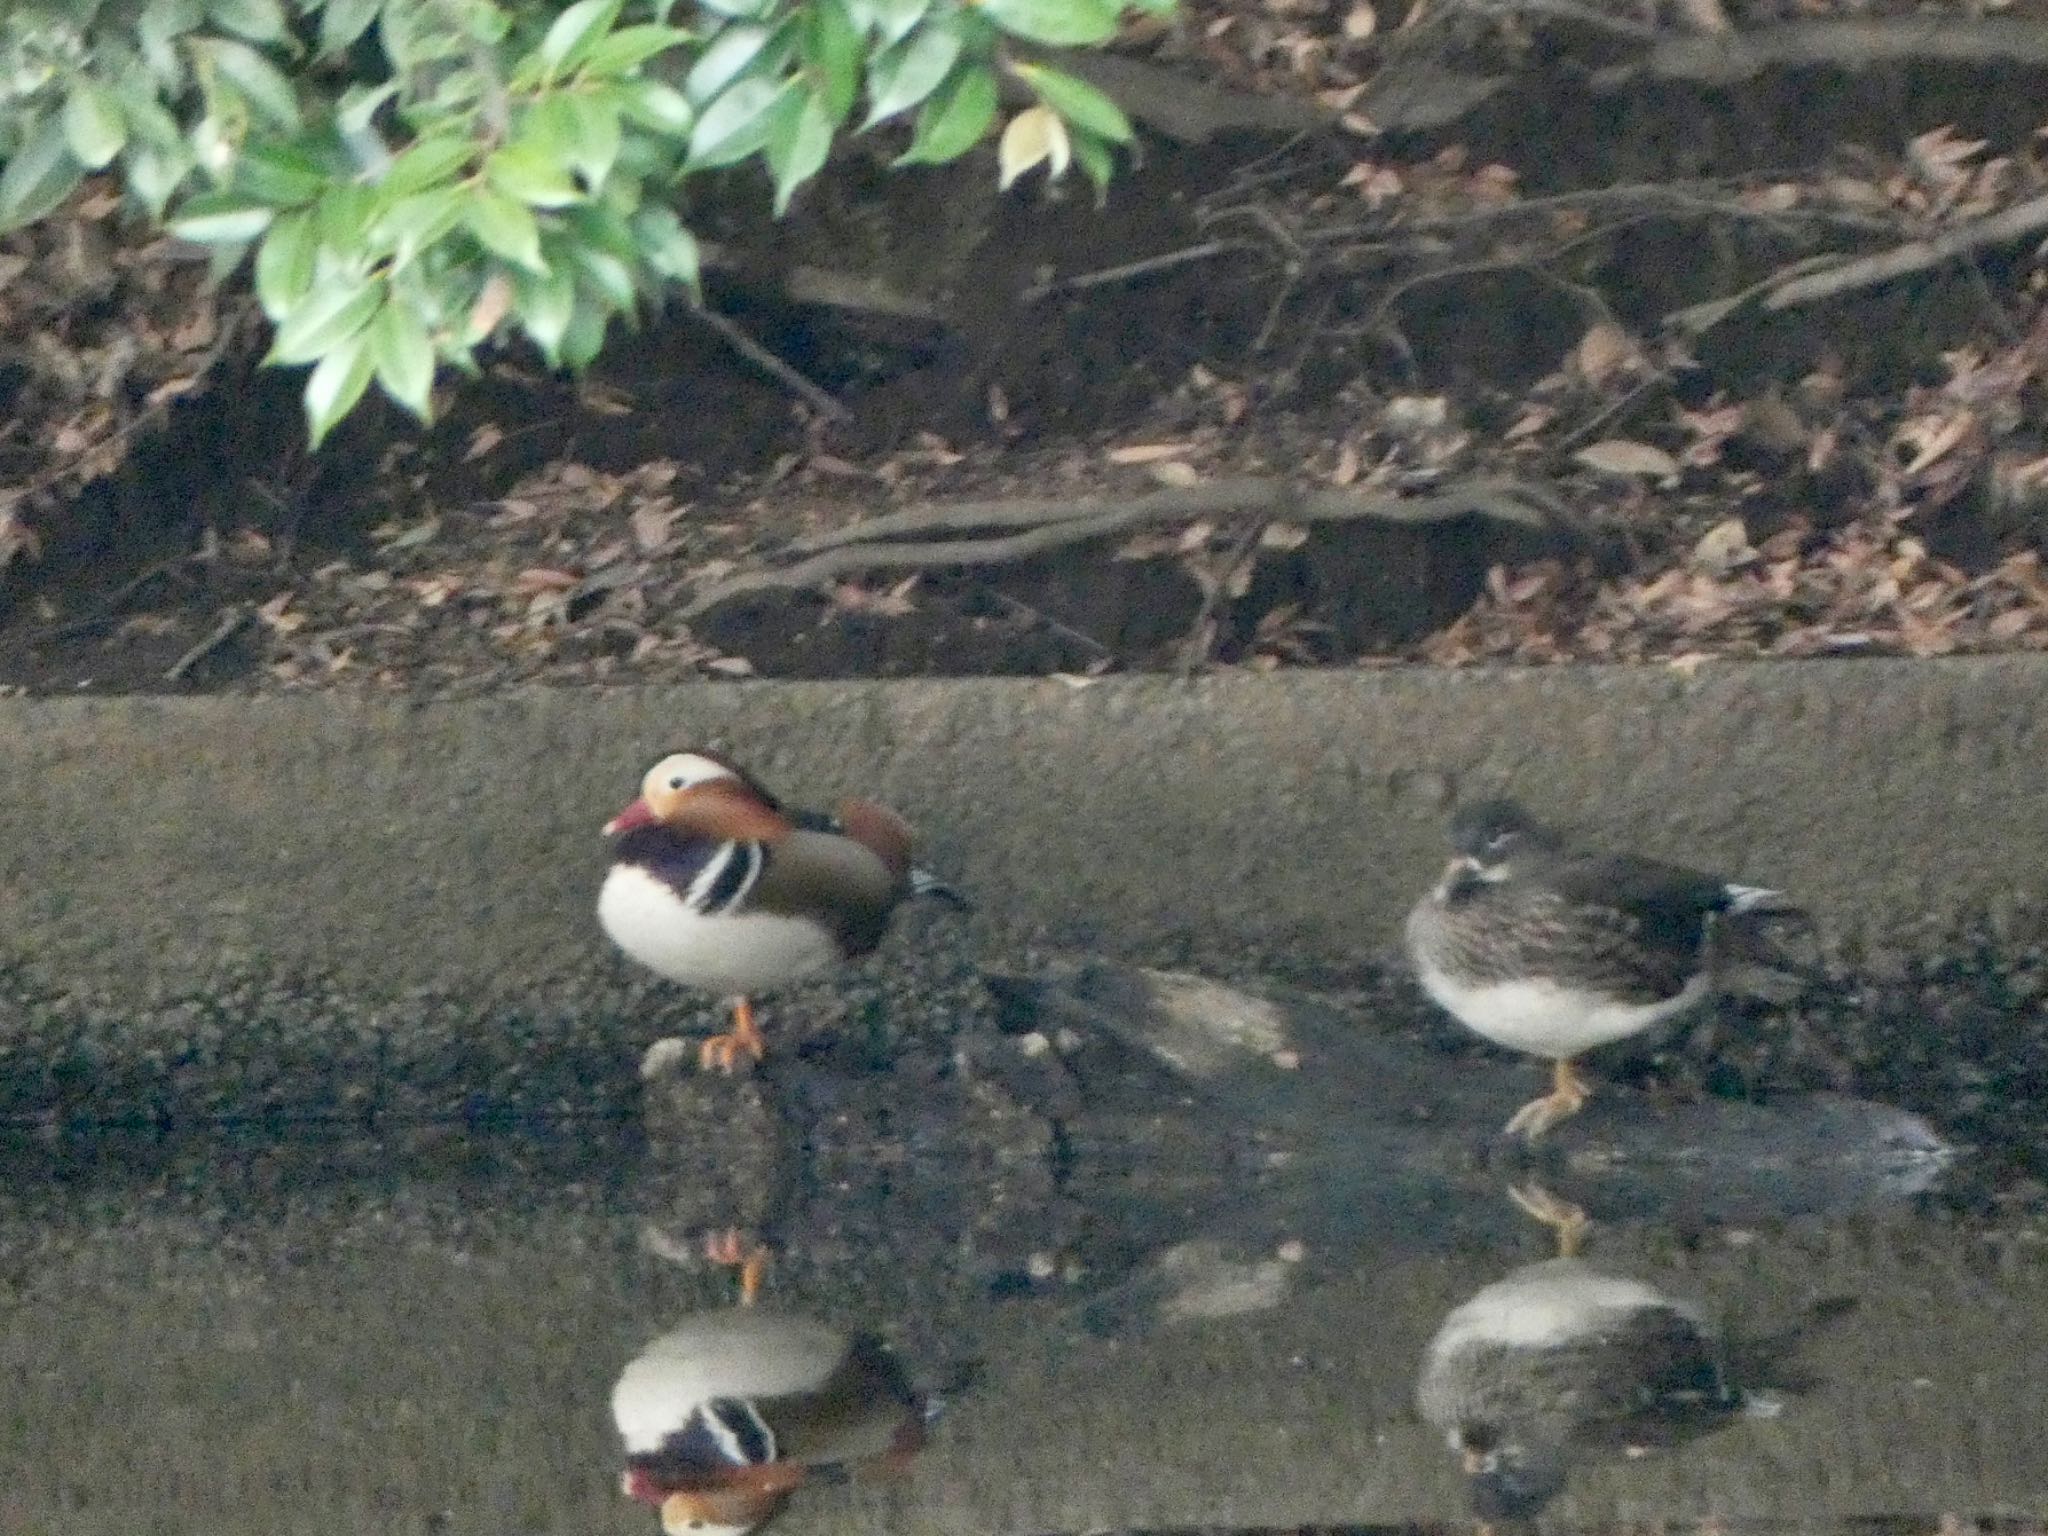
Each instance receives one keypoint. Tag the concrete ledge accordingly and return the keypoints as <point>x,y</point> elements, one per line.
<point>395,843</point>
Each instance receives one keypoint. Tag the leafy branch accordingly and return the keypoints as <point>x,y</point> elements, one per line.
<point>411,181</point>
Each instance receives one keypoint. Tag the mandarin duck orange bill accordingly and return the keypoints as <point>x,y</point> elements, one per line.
<point>716,884</point>
<point>724,1416</point>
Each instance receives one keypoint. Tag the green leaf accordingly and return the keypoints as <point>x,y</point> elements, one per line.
<point>607,275</point>
<point>358,105</point>
<point>545,303</point>
<point>834,51</point>
<point>148,121</point>
<point>907,74</point>
<point>738,123</point>
<point>344,212</point>
<point>666,246</point>
<point>1093,154</point>
<point>1061,23</point>
<point>575,32</point>
<point>742,10</point>
<point>798,151</point>
<point>281,175</point>
<point>330,314</point>
<point>955,117</point>
<point>343,21</point>
<point>577,130</point>
<point>724,61</point>
<point>94,126</point>
<point>39,175</point>
<point>220,218</point>
<point>404,357</point>
<point>504,227</point>
<point>285,262</point>
<point>261,21</point>
<point>533,177</point>
<point>338,382</point>
<point>153,177</point>
<point>417,223</point>
<point>157,31</point>
<point>584,338</point>
<point>267,90</point>
<point>890,20</point>
<point>430,162</point>
<point>662,108</point>
<point>1080,103</point>
<point>628,48</point>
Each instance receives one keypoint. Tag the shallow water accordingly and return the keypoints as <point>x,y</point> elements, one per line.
<point>1202,1304</point>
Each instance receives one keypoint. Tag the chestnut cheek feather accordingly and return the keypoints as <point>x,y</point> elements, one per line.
<point>638,814</point>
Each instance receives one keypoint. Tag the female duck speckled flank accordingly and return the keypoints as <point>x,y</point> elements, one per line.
<point>714,883</point>
<point>1545,949</point>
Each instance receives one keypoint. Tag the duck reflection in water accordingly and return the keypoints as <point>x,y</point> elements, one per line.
<point>725,1415</point>
<point>1560,1357</point>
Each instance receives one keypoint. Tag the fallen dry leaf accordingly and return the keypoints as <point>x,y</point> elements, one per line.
<point>1723,547</point>
<point>1621,456</point>
<point>1148,453</point>
<point>1604,351</point>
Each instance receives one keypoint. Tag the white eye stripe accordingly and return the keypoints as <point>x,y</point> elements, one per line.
<point>687,770</point>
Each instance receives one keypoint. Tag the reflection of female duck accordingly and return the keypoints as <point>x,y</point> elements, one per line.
<point>725,1414</point>
<point>1556,1356</point>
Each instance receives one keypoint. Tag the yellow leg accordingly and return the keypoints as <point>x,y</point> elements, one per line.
<point>750,1259</point>
<point>1568,1095</point>
<point>1567,1220</point>
<point>724,1051</point>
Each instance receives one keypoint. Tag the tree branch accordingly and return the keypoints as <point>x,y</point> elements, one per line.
<point>1049,525</point>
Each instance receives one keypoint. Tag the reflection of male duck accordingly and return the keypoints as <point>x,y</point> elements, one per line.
<point>1560,1356</point>
<point>725,1414</point>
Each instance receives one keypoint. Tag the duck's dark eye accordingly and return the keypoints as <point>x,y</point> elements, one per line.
<point>676,782</point>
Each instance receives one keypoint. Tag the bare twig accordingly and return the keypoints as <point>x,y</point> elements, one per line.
<point>773,366</point>
<point>1210,498</point>
<point>1822,277</point>
<point>1850,43</point>
<point>230,625</point>
<point>1055,525</point>
<point>1696,319</point>
<point>1200,644</point>
<point>1058,626</point>
<point>2015,223</point>
<point>1164,262</point>
<point>109,607</point>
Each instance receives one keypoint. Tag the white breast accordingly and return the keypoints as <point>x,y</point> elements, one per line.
<point>730,953</point>
<point>722,1354</point>
<point>1545,1019</point>
<point>1545,1305</point>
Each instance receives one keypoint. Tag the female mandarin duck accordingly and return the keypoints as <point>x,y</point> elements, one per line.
<point>727,1414</point>
<point>714,883</point>
<point>1549,949</point>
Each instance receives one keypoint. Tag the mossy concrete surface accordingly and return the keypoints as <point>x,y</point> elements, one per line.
<point>391,842</point>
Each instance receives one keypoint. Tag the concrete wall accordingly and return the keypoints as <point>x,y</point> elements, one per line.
<point>396,842</point>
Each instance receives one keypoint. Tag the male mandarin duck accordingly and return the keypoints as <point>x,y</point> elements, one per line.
<point>725,1415</point>
<point>716,884</point>
<point>1550,950</point>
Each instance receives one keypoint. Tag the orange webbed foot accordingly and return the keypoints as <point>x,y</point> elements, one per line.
<point>731,1249</point>
<point>1568,1095</point>
<point>722,1052</point>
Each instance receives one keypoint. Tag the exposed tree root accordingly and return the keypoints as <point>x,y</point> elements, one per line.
<point>1049,525</point>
